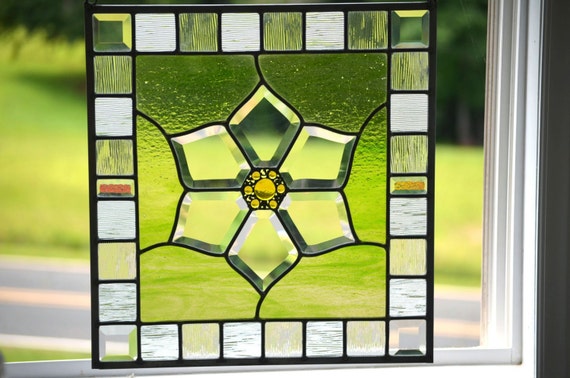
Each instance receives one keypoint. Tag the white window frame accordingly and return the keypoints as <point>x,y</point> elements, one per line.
<point>510,227</point>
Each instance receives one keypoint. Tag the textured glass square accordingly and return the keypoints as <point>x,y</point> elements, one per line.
<point>159,342</point>
<point>155,32</point>
<point>117,302</point>
<point>365,338</point>
<point>407,297</point>
<point>117,261</point>
<point>116,220</point>
<point>367,30</point>
<point>242,340</point>
<point>410,28</point>
<point>407,337</point>
<point>408,257</point>
<point>410,71</point>
<point>113,116</point>
<point>409,154</point>
<point>409,113</point>
<point>283,31</point>
<point>200,341</point>
<point>112,32</point>
<point>198,32</point>
<point>325,30</point>
<point>113,74</point>
<point>240,32</point>
<point>283,339</point>
<point>118,343</point>
<point>115,188</point>
<point>408,216</point>
<point>114,157</point>
<point>408,185</point>
<point>324,339</point>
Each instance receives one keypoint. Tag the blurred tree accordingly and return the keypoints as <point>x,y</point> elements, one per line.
<point>462,27</point>
<point>57,18</point>
<point>461,51</point>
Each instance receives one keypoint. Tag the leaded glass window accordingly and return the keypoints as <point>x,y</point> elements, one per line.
<point>261,183</point>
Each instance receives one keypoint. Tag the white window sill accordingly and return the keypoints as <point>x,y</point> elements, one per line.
<point>466,362</point>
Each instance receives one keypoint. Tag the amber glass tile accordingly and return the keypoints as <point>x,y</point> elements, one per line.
<point>115,188</point>
<point>406,185</point>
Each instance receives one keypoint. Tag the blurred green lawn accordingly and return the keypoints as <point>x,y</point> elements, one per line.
<point>43,165</point>
<point>44,180</point>
<point>24,354</point>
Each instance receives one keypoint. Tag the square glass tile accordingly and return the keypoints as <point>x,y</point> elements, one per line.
<point>118,343</point>
<point>407,337</point>
<point>200,341</point>
<point>410,71</point>
<point>240,32</point>
<point>367,30</point>
<point>198,32</point>
<point>113,74</point>
<point>112,32</point>
<point>155,32</point>
<point>410,28</point>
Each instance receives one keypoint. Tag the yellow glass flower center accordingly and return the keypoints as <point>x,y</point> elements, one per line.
<point>264,189</point>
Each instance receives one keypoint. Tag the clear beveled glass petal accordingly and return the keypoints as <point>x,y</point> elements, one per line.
<point>265,127</point>
<point>318,221</point>
<point>319,159</point>
<point>209,158</point>
<point>208,220</point>
<point>263,251</point>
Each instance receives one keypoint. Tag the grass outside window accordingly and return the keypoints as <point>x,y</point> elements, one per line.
<point>43,162</point>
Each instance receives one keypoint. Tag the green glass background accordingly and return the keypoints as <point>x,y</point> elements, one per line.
<point>342,92</point>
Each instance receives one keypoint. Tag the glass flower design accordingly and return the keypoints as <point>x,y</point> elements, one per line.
<point>263,190</point>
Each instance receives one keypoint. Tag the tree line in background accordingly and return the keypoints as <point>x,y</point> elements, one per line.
<point>461,50</point>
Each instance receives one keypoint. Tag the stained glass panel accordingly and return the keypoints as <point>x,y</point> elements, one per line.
<point>262,183</point>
